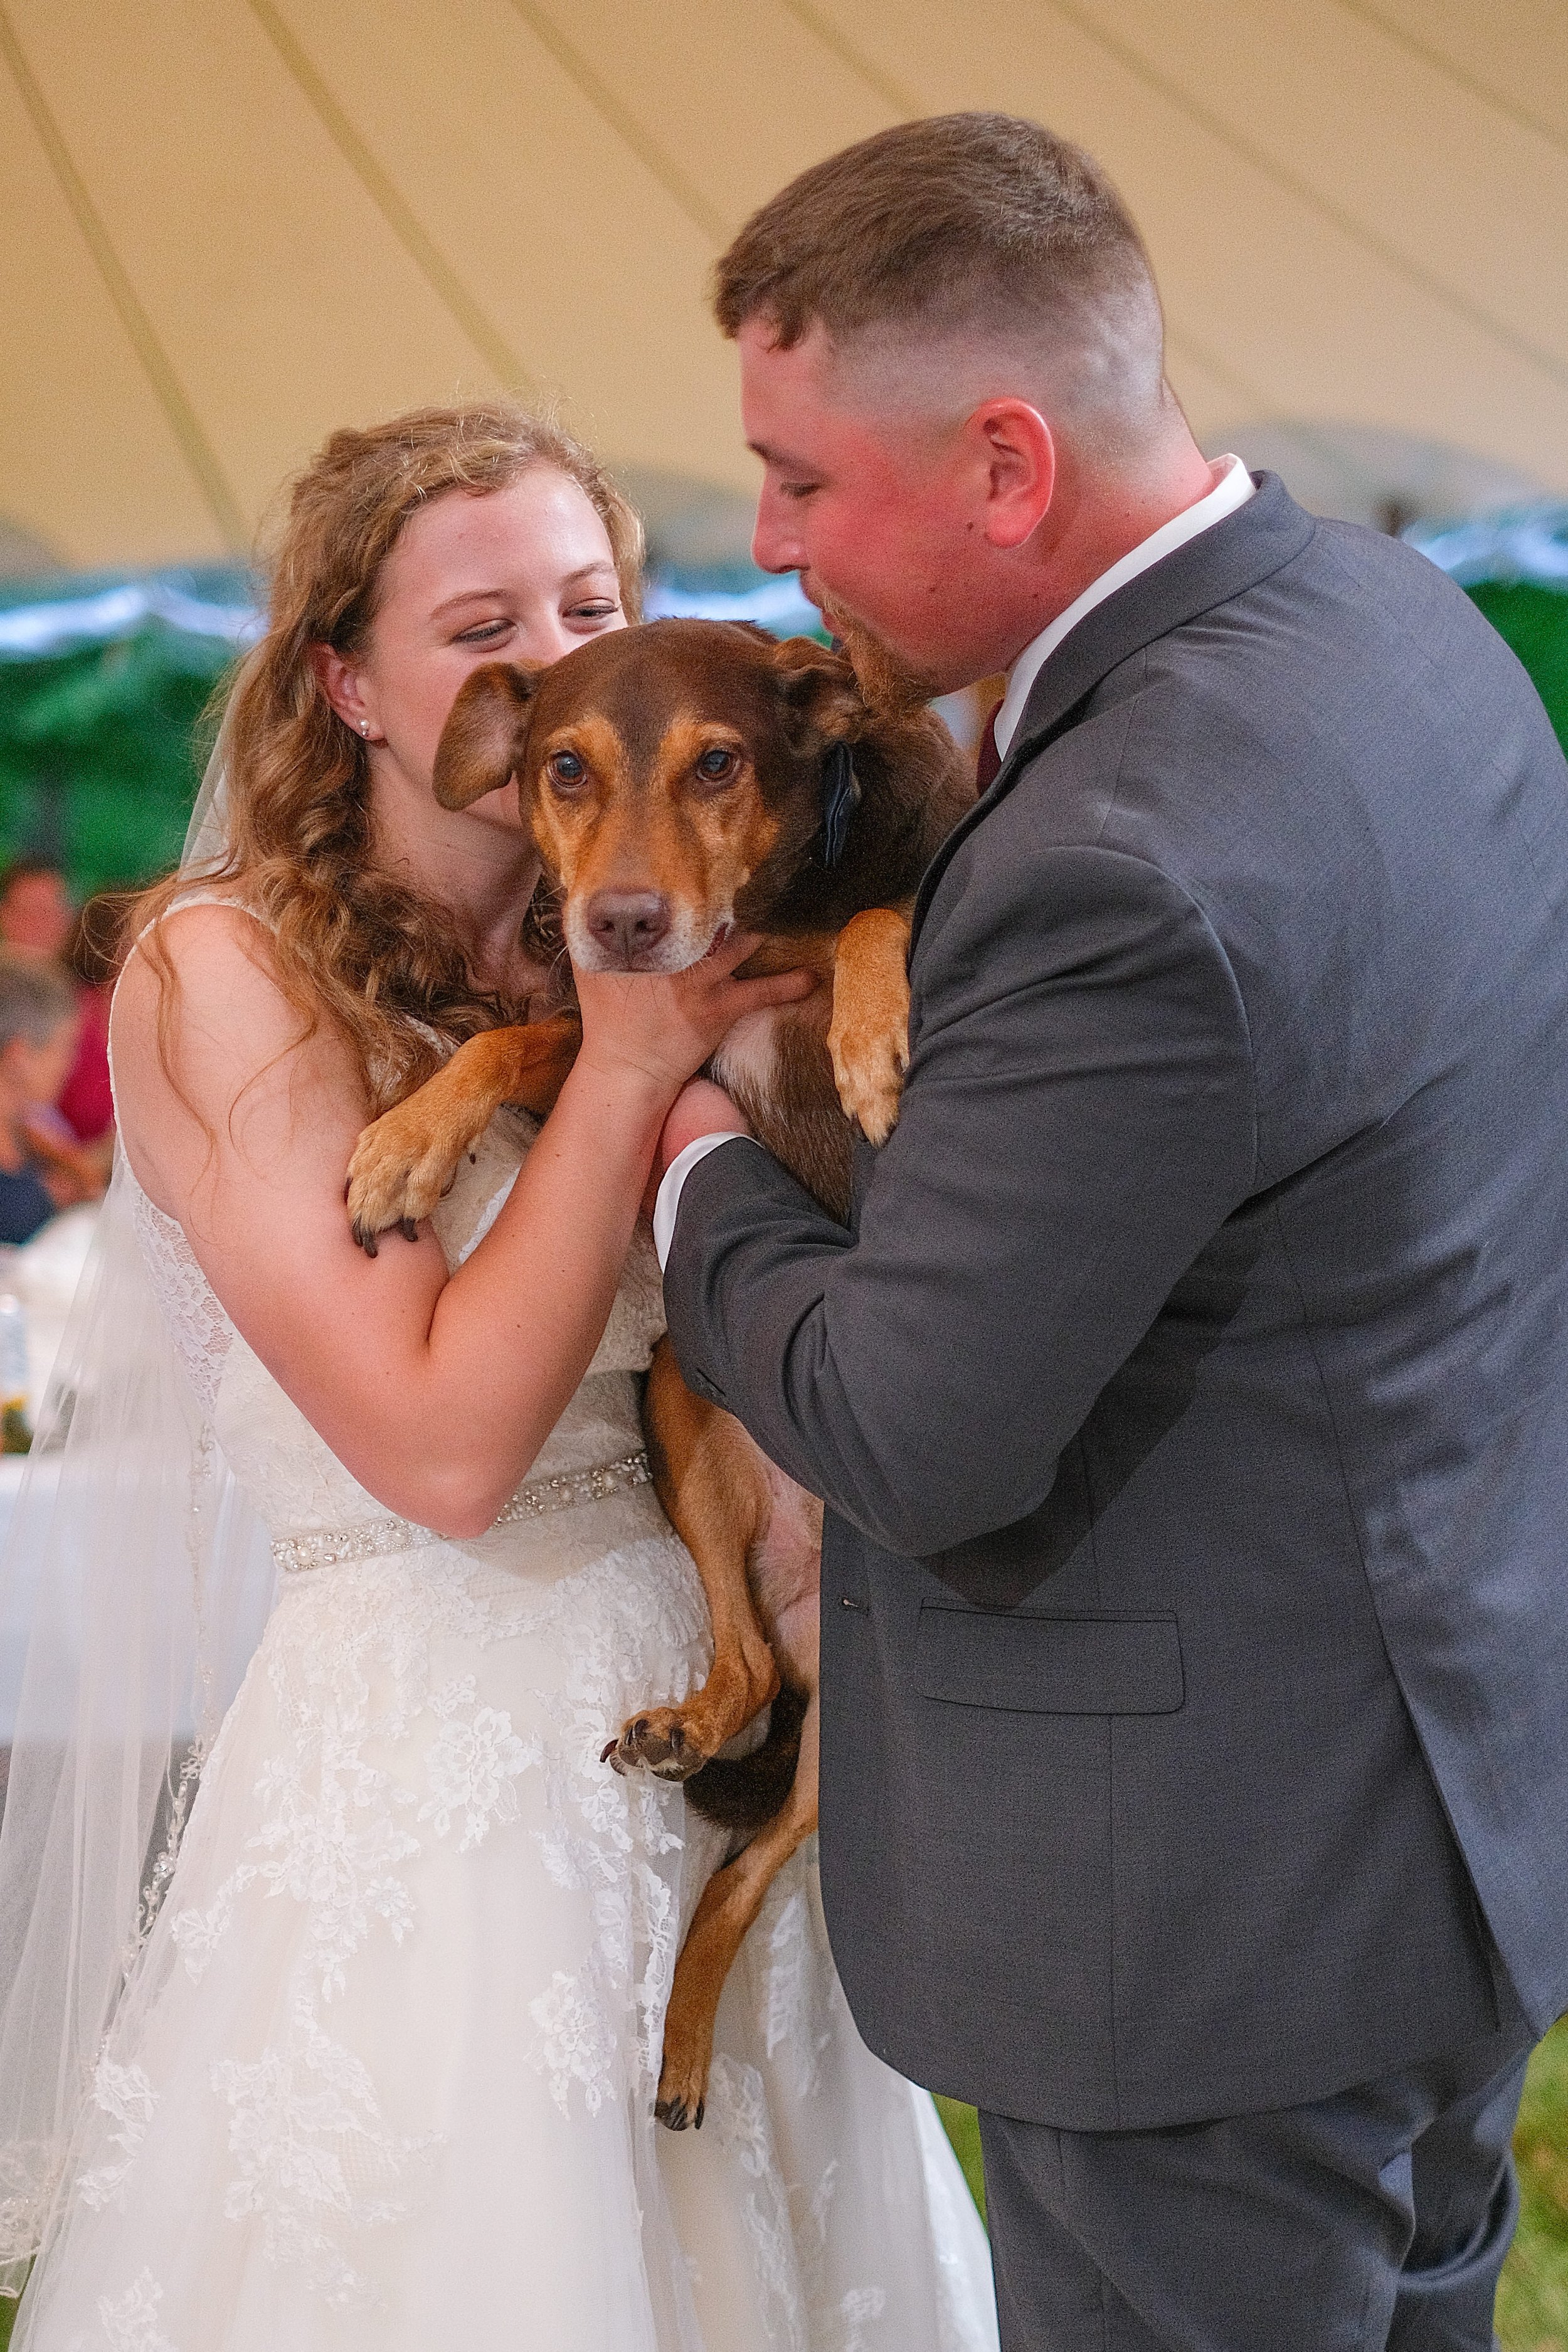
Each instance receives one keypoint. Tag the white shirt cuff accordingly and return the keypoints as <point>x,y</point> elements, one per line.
<point>667,1201</point>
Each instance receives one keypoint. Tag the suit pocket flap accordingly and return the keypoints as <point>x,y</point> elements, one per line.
<point>1049,1665</point>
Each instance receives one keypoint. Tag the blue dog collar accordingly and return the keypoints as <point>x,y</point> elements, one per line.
<point>840,799</point>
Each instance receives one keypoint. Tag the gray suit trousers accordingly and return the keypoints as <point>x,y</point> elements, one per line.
<point>1378,2218</point>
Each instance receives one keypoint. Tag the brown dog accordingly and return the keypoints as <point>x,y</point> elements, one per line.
<point>679,779</point>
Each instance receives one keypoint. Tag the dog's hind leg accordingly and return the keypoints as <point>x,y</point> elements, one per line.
<point>714,1488</point>
<point>730,1901</point>
<point>404,1160</point>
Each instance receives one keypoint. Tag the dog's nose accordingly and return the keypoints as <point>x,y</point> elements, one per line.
<point>628,923</point>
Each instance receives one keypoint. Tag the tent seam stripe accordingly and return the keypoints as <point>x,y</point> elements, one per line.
<point>179,412</point>
<point>1456,73</point>
<point>1545,361</point>
<point>912,106</point>
<point>392,206</point>
<point>603,99</point>
<point>904,102</point>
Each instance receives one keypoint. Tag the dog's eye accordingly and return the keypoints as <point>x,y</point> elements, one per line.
<point>565,768</point>
<point>715,767</point>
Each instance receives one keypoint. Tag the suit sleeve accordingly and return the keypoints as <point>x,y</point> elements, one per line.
<point>1078,1122</point>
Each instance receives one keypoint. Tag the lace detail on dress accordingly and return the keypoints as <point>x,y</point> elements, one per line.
<point>474,1759</point>
<point>377,1753</point>
<point>860,2303</point>
<point>482,1187</point>
<point>419,1940</point>
<point>125,2094</point>
<point>306,2122</point>
<point>604,1838</point>
<point>130,2320</point>
<point>793,2008</point>
<point>738,2114</point>
<point>199,1325</point>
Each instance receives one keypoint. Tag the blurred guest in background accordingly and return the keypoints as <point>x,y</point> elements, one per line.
<point>40,923</point>
<point>37,911</point>
<point>86,1102</point>
<point>39,1025</point>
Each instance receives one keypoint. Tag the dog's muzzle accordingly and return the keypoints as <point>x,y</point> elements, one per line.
<point>638,930</point>
<point>627,925</point>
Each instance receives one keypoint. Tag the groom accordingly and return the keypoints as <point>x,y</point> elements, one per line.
<point>1191,1394</point>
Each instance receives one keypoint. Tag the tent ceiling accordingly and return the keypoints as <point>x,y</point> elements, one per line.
<point>234,224</point>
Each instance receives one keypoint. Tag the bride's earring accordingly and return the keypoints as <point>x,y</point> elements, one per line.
<point>364,727</point>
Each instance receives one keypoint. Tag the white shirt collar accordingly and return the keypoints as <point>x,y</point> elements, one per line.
<point>1233,489</point>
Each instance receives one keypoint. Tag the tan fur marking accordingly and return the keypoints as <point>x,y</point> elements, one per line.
<point>653,829</point>
<point>731,1902</point>
<point>404,1160</point>
<point>595,738</point>
<point>690,733</point>
<point>711,1479</point>
<point>868,1036</point>
<point>562,822</point>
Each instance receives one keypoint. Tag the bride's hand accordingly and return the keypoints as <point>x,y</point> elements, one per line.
<point>660,1027</point>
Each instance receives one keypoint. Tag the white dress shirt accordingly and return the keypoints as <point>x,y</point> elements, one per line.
<point>1232,490</point>
<point>668,1199</point>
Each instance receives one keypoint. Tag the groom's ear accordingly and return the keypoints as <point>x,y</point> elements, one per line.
<point>482,743</point>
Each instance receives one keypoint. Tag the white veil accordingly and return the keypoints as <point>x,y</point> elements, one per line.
<point>133,1587</point>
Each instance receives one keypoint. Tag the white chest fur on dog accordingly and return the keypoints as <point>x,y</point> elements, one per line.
<point>747,1058</point>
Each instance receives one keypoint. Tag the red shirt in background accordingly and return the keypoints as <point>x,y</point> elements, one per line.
<point>85,1099</point>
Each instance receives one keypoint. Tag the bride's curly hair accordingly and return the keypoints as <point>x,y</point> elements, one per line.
<point>349,940</point>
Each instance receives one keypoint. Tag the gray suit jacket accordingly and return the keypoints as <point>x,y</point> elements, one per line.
<point>1191,1396</point>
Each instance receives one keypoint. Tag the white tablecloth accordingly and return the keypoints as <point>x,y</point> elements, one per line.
<point>18,1579</point>
<point>44,1274</point>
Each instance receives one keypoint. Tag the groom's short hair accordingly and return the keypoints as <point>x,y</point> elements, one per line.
<point>958,223</point>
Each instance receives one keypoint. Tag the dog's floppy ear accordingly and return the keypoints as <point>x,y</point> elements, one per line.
<point>482,743</point>
<point>821,690</point>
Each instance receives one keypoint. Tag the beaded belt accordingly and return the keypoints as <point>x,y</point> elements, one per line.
<point>373,1537</point>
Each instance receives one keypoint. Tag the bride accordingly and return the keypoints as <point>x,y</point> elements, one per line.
<point>359,2047</point>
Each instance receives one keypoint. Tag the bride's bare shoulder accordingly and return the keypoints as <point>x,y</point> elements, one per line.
<point>201,1024</point>
<point>202,974</point>
<point>193,937</point>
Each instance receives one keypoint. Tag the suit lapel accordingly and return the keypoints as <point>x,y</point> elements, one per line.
<point>1220,563</point>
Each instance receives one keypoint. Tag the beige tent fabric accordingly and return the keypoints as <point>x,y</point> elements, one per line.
<point>227,225</point>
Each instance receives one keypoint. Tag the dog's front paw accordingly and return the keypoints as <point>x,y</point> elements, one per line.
<point>869,1058</point>
<point>657,1742</point>
<point>869,1035</point>
<point>402,1165</point>
<point>673,1742</point>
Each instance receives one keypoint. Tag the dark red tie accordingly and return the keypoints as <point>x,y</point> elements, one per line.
<point>987,758</point>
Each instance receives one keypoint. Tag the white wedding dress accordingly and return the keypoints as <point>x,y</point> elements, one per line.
<point>384,2076</point>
